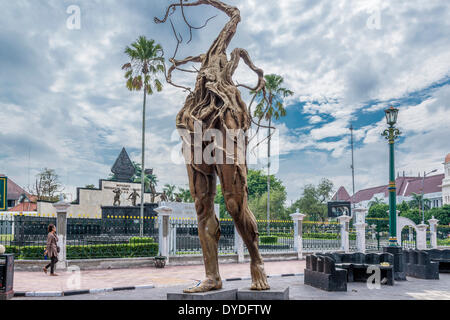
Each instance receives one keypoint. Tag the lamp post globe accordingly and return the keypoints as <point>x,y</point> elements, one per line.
<point>391,116</point>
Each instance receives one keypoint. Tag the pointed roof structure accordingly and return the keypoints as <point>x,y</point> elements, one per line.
<point>341,195</point>
<point>123,168</point>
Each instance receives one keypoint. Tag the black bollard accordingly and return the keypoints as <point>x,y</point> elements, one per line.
<point>6,276</point>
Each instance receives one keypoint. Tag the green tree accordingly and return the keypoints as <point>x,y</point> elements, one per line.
<point>258,206</point>
<point>169,189</point>
<point>416,202</point>
<point>376,200</point>
<point>257,187</point>
<point>257,183</point>
<point>47,185</point>
<point>378,211</point>
<point>185,195</point>
<point>150,180</point>
<point>314,200</point>
<point>145,65</point>
<point>414,214</point>
<point>403,208</point>
<point>442,214</point>
<point>271,106</point>
<point>90,186</point>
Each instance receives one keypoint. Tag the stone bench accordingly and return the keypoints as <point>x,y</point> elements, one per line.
<point>419,265</point>
<point>357,264</point>
<point>321,273</point>
<point>441,256</point>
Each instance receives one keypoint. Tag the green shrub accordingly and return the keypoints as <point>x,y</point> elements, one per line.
<point>278,234</point>
<point>12,250</point>
<point>328,236</point>
<point>268,239</point>
<point>443,242</point>
<point>31,252</point>
<point>125,250</point>
<point>96,251</point>
<point>135,240</point>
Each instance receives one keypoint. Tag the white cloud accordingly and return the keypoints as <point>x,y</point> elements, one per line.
<point>64,97</point>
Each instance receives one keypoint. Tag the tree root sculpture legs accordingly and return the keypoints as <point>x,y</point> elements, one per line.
<point>203,188</point>
<point>235,192</point>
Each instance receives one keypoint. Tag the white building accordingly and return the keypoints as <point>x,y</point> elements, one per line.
<point>446,182</point>
<point>436,189</point>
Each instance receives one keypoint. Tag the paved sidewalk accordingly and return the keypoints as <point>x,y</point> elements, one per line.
<point>169,276</point>
<point>413,289</point>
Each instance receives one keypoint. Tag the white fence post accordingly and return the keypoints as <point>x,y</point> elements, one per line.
<point>360,227</point>
<point>61,228</point>
<point>433,231</point>
<point>421,239</point>
<point>298,234</point>
<point>164,214</point>
<point>345,244</point>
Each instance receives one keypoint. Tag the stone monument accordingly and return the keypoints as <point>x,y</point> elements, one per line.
<point>123,168</point>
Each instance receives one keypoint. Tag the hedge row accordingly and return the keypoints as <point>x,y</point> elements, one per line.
<point>443,242</point>
<point>268,239</point>
<point>135,240</point>
<point>278,234</point>
<point>89,251</point>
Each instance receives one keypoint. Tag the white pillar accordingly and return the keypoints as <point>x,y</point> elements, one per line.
<point>421,239</point>
<point>433,231</point>
<point>360,227</point>
<point>61,230</point>
<point>239,246</point>
<point>345,244</point>
<point>164,214</point>
<point>298,234</point>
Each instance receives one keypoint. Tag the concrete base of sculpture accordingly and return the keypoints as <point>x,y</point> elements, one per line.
<point>272,294</point>
<point>222,294</point>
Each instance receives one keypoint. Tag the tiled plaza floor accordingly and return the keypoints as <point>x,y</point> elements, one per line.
<point>413,289</point>
<point>169,276</point>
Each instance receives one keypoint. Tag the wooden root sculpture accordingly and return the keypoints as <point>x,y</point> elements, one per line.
<point>216,102</point>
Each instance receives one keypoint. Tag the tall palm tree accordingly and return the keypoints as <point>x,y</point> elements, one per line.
<point>142,71</point>
<point>170,191</point>
<point>269,108</point>
<point>150,180</point>
<point>416,201</point>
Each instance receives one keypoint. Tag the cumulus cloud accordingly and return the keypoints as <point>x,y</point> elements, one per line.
<point>63,97</point>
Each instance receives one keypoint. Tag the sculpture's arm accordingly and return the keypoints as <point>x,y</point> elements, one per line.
<point>234,62</point>
<point>175,66</point>
<point>173,7</point>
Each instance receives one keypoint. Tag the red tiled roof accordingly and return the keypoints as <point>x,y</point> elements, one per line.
<point>431,184</point>
<point>447,158</point>
<point>24,206</point>
<point>405,187</point>
<point>14,190</point>
<point>367,194</point>
<point>341,195</point>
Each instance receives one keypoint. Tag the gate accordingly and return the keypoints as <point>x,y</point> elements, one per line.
<point>408,238</point>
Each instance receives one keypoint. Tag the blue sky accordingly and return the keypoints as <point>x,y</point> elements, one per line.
<point>63,98</point>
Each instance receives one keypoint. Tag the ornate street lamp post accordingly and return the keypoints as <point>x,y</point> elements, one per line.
<point>391,134</point>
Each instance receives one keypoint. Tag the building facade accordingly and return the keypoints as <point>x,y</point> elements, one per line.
<point>436,189</point>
